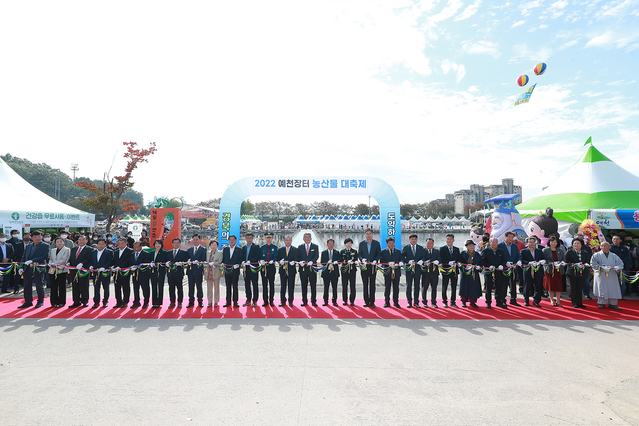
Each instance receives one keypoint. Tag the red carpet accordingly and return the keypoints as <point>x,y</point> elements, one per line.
<point>9,309</point>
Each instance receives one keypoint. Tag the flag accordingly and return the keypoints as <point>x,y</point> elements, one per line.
<point>525,95</point>
<point>588,141</point>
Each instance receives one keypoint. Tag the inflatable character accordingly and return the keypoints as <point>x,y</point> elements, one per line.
<point>476,235</point>
<point>543,225</point>
<point>505,218</point>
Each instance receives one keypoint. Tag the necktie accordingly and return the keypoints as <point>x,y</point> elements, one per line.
<point>307,249</point>
<point>248,250</point>
<point>286,251</point>
<point>136,256</point>
<point>77,253</point>
<point>268,253</point>
<point>175,253</point>
<point>330,255</point>
<point>413,251</point>
<point>450,249</point>
<point>430,253</point>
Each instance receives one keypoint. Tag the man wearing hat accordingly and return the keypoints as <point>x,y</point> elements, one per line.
<point>268,259</point>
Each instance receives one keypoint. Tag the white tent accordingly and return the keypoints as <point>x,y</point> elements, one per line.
<point>23,204</point>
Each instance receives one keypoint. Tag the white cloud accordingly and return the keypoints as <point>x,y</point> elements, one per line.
<point>526,8</point>
<point>469,11</point>
<point>450,10</point>
<point>614,8</point>
<point>518,23</point>
<point>618,40</point>
<point>481,47</point>
<point>543,26</point>
<point>458,69</point>
<point>592,94</point>
<point>568,44</point>
<point>556,9</point>
<point>523,53</point>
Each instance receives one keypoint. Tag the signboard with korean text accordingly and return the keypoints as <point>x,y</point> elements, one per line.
<point>165,225</point>
<point>381,191</point>
<point>616,219</point>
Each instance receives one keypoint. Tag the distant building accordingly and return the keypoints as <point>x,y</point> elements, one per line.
<point>464,198</point>
<point>480,193</point>
<point>450,199</point>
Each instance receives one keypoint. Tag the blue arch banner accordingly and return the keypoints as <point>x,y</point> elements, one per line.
<point>382,192</point>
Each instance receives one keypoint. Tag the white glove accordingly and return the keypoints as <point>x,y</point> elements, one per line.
<point>451,263</point>
<point>270,262</point>
<point>282,262</point>
<point>28,262</point>
<point>20,271</point>
<point>402,263</point>
<point>262,262</point>
<point>392,264</point>
<point>79,266</point>
<point>350,262</point>
<point>491,268</point>
<point>310,263</point>
<point>509,264</point>
<point>302,263</point>
<point>364,261</point>
<point>436,262</point>
<point>421,262</point>
<point>374,262</point>
<point>133,268</point>
<point>243,263</point>
<point>543,262</point>
<point>501,268</point>
<point>579,264</point>
<point>519,263</point>
<point>617,268</point>
<point>152,265</point>
<point>410,262</point>
<point>292,262</point>
<point>51,264</point>
<point>236,266</point>
<point>335,262</point>
<point>197,262</point>
<point>478,268</point>
<point>101,269</point>
<point>117,268</point>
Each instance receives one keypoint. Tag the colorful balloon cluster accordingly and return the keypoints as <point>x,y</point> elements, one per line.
<point>539,69</point>
<point>591,233</point>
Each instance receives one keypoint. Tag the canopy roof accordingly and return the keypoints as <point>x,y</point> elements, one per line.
<point>593,182</point>
<point>29,205</point>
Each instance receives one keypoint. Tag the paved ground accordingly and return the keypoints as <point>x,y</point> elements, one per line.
<point>307,372</point>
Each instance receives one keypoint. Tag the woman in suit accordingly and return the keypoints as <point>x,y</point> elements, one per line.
<point>158,273</point>
<point>576,255</point>
<point>470,285</point>
<point>213,273</point>
<point>553,281</point>
<point>58,277</point>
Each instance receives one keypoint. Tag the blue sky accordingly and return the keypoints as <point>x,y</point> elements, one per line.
<point>417,93</point>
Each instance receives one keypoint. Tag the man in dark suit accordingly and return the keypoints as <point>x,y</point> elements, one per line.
<point>140,277</point>
<point>195,271</point>
<point>176,257</point>
<point>430,272</point>
<point>268,257</point>
<point>101,259</point>
<point>308,253</point>
<point>411,255</point>
<point>331,258</point>
<point>231,258</point>
<point>122,260</point>
<point>81,259</point>
<point>6,257</point>
<point>13,280</point>
<point>494,257</point>
<point>533,281</point>
<point>35,253</point>
<point>349,272</point>
<point>369,252</point>
<point>251,257</point>
<point>392,259</point>
<point>450,255</point>
<point>511,251</point>
<point>287,256</point>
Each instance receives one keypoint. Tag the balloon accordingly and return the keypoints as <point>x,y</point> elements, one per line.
<point>523,80</point>
<point>540,68</point>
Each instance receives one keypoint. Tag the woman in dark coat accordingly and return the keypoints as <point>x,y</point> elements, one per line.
<point>577,255</point>
<point>470,285</point>
<point>158,273</point>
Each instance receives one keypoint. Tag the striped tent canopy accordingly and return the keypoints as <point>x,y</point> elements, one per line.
<point>594,182</point>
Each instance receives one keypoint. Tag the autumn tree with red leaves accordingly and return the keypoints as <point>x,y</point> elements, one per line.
<point>108,197</point>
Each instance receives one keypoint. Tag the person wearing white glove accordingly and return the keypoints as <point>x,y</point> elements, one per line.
<point>533,281</point>
<point>412,254</point>
<point>470,283</point>
<point>391,256</point>
<point>195,272</point>
<point>577,256</point>
<point>269,253</point>
<point>494,259</point>
<point>80,256</point>
<point>349,274</point>
<point>606,284</point>
<point>59,255</point>
<point>231,259</point>
<point>450,255</point>
<point>141,277</point>
<point>369,251</point>
<point>287,255</point>
<point>430,273</point>
<point>101,259</point>
<point>308,252</point>
<point>175,274</point>
<point>511,252</point>
<point>330,275</point>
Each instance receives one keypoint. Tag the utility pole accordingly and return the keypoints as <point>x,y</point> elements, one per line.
<point>56,190</point>
<point>74,168</point>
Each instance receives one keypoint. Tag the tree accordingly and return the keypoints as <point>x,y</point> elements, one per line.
<point>360,210</point>
<point>109,197</point>
<point>301,209</point>
<point>213,203</point>
<point>247,207</point>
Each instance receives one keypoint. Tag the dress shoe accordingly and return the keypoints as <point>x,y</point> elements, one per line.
<point>536,305</point>
<point>526,303</point>
<point>290,304</point>
<point>85,305</point>
<point>75,305</point>
<point>371,305</point>
<point>434,305</point>
<point>386,305</point>
<point>145,306</point>
<point>190,305</point>
<point>335,303</point>
<point>397,305</point>
<point>226,305</point>
<point>254,305</point>
<point>215,305</point>
<point>135,305</point>
<point>504,306</point>
<point>38,305</point>
<point>179,305</point>
<point>25,305</point>
<point>601,306</point>
<point>172,306</point>
<point>314,304</point>
<point>366,305</point>
<point>5,291</point>
<point>416,305</point>
<point>15,291</point>
<point>272,304</point>
<point>445,304</point>
<point>304,304</point>
<point>264,305</point>
<point>453,305</point>
<point>283,304</point>
<point>95,306</point>
<point>409,305</point>
<point>237,305</point>
<point>325,303</point>
<point>582,307</point>
<point>614,307</point>
<point>588,297</point>
<point>575,306</point>
<point>105,304</point>
<point>474,305</point>
<point>488,306</point>
<point>463,304</point>
<point>201,305</point>
<point>514,303</point>
<point>345,303</point>
<point>154,307</point>
<point>247,303</point>
<point>353,304</point>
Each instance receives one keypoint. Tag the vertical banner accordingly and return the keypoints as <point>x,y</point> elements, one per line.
<point>165,225</point>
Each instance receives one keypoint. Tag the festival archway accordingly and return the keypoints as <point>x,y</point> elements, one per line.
<point>381,191</point>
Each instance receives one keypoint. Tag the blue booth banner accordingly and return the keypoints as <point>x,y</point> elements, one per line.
<point>382,192</point>
<point>616,219</point>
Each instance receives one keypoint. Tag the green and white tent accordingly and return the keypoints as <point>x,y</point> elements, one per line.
<point>594,182</point>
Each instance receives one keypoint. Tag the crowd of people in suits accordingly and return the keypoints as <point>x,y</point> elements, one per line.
<point>126,262</point>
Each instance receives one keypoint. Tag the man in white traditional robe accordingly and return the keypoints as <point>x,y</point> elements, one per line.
<point>607,266</point>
